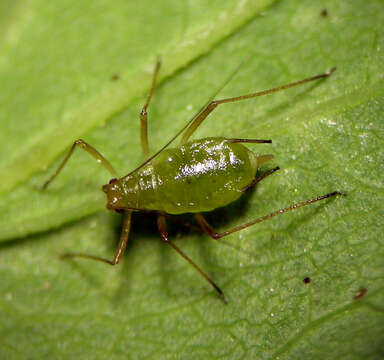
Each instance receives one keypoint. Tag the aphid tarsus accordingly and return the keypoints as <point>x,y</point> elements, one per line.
<point>198,176</point>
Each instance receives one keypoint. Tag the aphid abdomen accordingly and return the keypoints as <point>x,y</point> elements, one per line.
<point>200,175</point>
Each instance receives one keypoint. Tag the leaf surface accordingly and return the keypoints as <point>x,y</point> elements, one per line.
<point>326,136</point>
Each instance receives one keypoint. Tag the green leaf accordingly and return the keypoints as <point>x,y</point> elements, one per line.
<point>326,136</point>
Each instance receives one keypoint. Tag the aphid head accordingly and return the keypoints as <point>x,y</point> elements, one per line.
<point>115,194</point>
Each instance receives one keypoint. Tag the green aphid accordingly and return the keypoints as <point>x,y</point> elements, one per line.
<point>197,176</point>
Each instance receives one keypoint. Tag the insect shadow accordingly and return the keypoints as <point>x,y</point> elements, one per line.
<point>180,228</point>
<point>196,177</point>
<point>218,218</point>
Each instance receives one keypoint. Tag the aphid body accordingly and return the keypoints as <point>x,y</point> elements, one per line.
<point>197,176</point>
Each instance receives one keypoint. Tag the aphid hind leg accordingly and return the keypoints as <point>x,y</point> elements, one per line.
<point>144,114</point>
<point>90,150</point>
<point>258,179</point>
<point>213,104</point>
<point>120,249</point>
<point>161,223</point>
<point>215,235</point>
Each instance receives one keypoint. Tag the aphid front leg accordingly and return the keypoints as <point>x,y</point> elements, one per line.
<point>216,235</point>
<point>120,249</point>
<point>144,114</point>
<point>213,104</point>
<point>164,235</point>
<point>90,150</point>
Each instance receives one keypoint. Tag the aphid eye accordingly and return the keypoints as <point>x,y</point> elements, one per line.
<point>112,181</point>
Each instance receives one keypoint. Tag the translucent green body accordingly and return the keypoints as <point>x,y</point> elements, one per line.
<point>200,175</point>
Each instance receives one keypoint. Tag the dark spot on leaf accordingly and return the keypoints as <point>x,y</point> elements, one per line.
<point>188,181</point>
<point>115,77</point>
<point>324,13</point>
<point>307,280</point>
<point>362,291</point>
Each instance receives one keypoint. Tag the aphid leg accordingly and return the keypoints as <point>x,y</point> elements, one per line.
<point>215,235</point>
<point>144,114</point>
<point>120,249</point>
<point>161,224</point>
<point>213,104</point>
<point>258,179</point>
<point>253,141</point>
<point>90,150</point>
